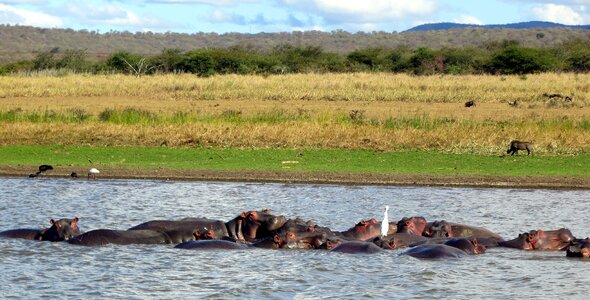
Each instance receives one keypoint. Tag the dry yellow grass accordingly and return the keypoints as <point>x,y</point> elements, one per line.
<point>325,99</point>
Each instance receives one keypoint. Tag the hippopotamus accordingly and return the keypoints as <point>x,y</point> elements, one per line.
<point>462,230</point>
<point>438,229</point>
<point>365,230</point>
<point>101,237</point>
<point>398,240</point>
<point>435,251</point>
<point>211,245</point>
<point>411,225</point>
<point>554,240</point>
<point>302,234</point>
<point>60,230</point>
<point>187,229</point>
<point>579,248</point>
<point>470,246</point>
<point>356,247</point>
<point>252,225</point>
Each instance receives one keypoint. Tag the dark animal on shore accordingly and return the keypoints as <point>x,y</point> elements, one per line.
<point>514,103</point>
<point>518,145</point>
<point>42,170</point>
<point>470,103</point>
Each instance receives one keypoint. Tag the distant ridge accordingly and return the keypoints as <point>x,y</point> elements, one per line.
<point>521,25</point>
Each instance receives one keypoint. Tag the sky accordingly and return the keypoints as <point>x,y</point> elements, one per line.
<point>254,16</point>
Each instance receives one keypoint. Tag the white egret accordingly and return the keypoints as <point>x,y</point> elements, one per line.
<point>92,173</point>
<point>385,223</point>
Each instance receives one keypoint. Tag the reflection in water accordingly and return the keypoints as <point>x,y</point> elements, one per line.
<point>41,269</point>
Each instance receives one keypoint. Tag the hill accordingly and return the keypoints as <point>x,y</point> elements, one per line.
<point>521,25</point>
<point>24,42</point>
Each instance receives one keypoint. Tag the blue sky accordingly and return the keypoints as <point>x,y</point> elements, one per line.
<point>253,16</point>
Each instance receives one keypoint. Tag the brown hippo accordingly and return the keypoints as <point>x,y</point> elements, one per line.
<point>356,247</point>
<point>211,245</point>
<point>483,235</point>
<point>438,229</point>
<point>184,229</point>
<point>435,251</point>
<point>518,145</point>
<point>579,248</point>
<point>398,240</point>
<point>302,234</point>
<point>411,225</point>
<point>553,240</point>
<point>101,237</point>
<point>60,230</point>
<point>470,246</point>
<point>365,230</point>
<point>260,224</point>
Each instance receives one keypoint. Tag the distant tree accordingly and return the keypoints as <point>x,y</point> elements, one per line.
<point>372,59</point>
<point>74,60</point>
<point>170,60</point>
<point>198,62</point>
<point>44,61</point>
<point>521,60</point>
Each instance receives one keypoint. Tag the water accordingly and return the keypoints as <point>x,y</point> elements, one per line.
<point>33,269</point>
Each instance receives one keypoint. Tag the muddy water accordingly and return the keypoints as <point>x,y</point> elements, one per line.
<point>41,269</point>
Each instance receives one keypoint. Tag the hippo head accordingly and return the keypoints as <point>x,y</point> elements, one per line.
<point>260,224</point>
<point>61,230</point>
<point>205,234</point>
<point>412,225</point>
<point>551,240</point>
<point>579,248</point>
<point>330,244</point>
<point>470,246</point>
<point>438,229</point>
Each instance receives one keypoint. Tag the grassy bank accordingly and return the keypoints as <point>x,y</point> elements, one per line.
<point>294,160</point>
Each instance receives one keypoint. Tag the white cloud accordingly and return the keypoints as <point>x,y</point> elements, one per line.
<point>220,16</point>
<point>363,12</point>
<point>23,2</point>
<point>468,20</point>
<point>209,2</point>
<point>108,14</point>
<point>561,14</point>
<point>12,15</point>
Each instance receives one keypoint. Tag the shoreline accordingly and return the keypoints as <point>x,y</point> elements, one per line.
<point>296,177</point>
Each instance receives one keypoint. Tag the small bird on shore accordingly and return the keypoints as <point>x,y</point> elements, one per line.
<point>92,173</point>
<point>385,222</point>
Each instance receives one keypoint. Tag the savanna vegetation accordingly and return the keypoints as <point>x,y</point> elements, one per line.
<point>508,57</point>
<point>382,112</point>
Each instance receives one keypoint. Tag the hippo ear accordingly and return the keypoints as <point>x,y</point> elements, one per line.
<point>244,214</point>
<point>253,215</point>
<point>277,239</point>
<point>330,245</point>
<point>474,242</point>
<point>197,233</point>
<point>392,244</point>
<point>52,221</point>
<point>74,222</point>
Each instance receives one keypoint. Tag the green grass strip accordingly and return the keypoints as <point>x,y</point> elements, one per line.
<point>309,160</point>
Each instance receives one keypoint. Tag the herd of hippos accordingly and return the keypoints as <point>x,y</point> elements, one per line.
<point>263,229</point>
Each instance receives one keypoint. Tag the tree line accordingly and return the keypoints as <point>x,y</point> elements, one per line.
<point>507,57</point>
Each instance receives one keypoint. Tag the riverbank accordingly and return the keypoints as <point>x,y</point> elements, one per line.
<point>549,182</point>
<point>321,166</point>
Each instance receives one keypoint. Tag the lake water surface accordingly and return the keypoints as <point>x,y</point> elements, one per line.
<point>32,269</point>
